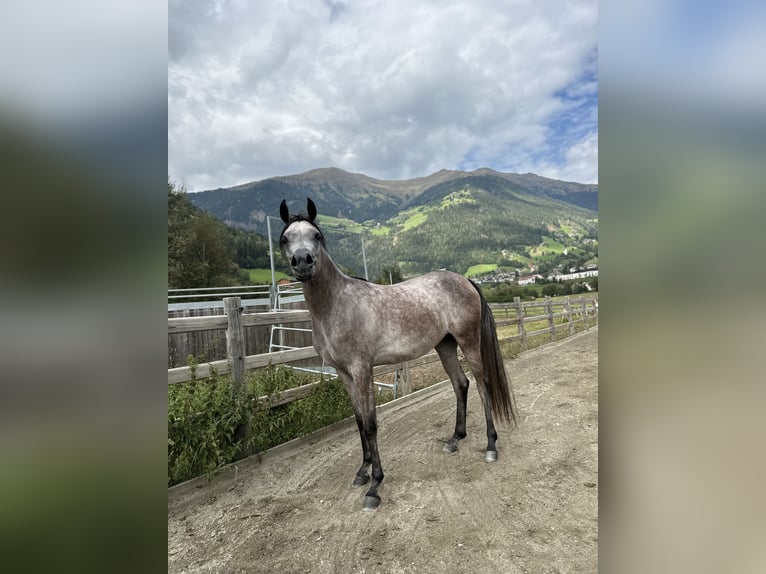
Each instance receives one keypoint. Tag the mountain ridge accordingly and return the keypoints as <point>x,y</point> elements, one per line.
<point>359,197</point>
<point>449,219</point>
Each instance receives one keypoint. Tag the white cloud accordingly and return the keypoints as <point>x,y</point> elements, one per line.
<point>384,88</point>
<point>580,162</point>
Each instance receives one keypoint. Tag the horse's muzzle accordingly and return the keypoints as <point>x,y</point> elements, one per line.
<point>302,264</point>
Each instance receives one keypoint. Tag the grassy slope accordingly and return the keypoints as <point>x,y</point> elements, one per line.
<point>263,276</point>
<point>480,269</point>
<point>446,233</point>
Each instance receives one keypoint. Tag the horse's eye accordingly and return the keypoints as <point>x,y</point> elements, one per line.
<point>318,236</point>
<point>283,240</point>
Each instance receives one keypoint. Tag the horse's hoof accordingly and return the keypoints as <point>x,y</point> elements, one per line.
<point>360,481</point>
<point>449,447</point>
<point>491,456</point>
<point>371,502</point>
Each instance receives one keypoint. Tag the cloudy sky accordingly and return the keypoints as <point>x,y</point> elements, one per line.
<point>393,89</point>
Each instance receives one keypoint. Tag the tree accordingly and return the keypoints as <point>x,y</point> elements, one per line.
<point>528,293</point>
<point>252,251</point>
<point>390,274</point>
<point>200,247</point>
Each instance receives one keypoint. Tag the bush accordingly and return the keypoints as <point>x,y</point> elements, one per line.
<point>202,420</point>
<point>207,420</point>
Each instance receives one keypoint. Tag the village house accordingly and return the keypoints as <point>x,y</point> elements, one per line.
<point>529,279</point>
<point>577,275</point>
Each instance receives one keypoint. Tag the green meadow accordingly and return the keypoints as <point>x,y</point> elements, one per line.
<point>328,222</point>
<point>263,276</point>
<point>480,269</point>
<point>549,246</point>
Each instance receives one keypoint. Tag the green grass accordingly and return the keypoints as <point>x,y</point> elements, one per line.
<point>456,198</point>
<point>417,218</point>
<point>520,258</point>
<point>410,218</point>
<point>382,230</point>
<point>328,222</point>
<point>536,287</point>
<point>571,229</point>
<point>549,246</point>
<point>205,418</point>
<point>263,276</point>
<point>480,269</point>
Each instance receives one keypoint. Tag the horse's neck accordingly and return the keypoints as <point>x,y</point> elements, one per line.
<point>322,291</point>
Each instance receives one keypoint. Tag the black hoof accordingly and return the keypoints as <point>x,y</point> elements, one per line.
<point>360,481</point>
<point>450,447</point>
<point>371,502</point>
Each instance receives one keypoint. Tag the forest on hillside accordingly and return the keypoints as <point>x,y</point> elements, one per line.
<point>204,252</point>
<point>477,228</point>
<point>456,225</point>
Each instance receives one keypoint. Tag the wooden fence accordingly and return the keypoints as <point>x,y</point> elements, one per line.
<point>559,315</point>
<point>210,344</point>
<point>537,311</point>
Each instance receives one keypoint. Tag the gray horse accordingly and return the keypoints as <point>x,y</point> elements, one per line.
<point>358,325</point>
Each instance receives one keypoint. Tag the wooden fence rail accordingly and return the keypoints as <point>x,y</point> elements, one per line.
<point>573,311</point>
<point>191,324</point>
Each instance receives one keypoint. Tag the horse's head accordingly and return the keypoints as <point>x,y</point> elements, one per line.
<point>301,241</point>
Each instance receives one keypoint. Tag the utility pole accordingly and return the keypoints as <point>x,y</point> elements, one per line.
<point>364,258</point>
<point>274,298</point>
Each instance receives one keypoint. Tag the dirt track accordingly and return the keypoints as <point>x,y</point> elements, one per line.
<point>535,510</point>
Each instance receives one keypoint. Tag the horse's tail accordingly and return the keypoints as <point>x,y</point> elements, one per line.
<point>498,385</point>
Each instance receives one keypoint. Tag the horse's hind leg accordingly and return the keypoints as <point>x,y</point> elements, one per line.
<point>447,350</point>
<point>362,475</point>
<point>473,358</point>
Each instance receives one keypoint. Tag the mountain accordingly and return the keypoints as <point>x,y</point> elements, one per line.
<point>359,197</point>
<point>450,219</point>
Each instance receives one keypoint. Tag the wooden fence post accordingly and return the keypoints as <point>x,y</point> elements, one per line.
<point>235,340</point>
<point>595,309</point>
<point>405,381</point>
<point>584,313</point>
<point>568,308</point>
<point>549,310</point>
<point>520,317</point>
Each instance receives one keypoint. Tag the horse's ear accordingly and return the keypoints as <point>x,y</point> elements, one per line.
<point>284,213</point>
<point>312,209</point>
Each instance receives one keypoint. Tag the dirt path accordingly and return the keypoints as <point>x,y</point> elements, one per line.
<point>535,510</point>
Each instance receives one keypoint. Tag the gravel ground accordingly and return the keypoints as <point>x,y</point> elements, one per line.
<point>534,510</point>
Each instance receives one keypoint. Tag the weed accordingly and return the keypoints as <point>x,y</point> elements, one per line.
<point>210,425</point>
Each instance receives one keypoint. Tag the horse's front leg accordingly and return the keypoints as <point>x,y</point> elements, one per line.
<point>360,389</point>
<point>362,475</point>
